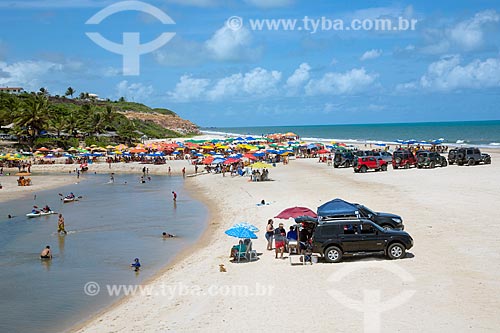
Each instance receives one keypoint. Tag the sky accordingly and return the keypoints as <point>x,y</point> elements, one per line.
<point>219,63</point>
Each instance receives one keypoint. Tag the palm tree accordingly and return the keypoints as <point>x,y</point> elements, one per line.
<point>69,92</point>
<point>43,91</point>
<point>33,116</point>
<point>72,123</point>
<point>57,122</point>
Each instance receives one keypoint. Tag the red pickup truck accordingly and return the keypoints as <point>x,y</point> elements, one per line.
<point>370,163</point>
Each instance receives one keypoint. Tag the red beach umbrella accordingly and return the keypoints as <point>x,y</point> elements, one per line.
<point>323,151</point>
<point>296,212</point>
<point>207,160</point>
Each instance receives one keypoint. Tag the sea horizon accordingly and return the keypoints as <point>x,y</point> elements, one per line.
<point>481,133</point>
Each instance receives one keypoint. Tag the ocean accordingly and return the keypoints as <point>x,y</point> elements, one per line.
<point>477,133</point>
<point>107,228</point>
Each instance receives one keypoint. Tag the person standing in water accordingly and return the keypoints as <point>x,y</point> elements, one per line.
<point>136,264</point>
<point>60,224</point>
<point>175,195</point>
<point>46,253</point>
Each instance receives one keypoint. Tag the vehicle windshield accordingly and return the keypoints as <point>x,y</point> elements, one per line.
<point>367,210</point>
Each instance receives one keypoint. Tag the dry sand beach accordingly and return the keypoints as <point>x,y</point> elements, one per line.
<point>449,281</point>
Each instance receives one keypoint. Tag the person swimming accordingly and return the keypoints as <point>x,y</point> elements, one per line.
<point>167,235</point>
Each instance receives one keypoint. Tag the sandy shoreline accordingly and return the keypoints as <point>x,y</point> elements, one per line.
<point>454,273</point>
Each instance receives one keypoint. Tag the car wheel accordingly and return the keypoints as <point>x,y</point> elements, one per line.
<point>460,156</point>
<point>444,163</point>
<point>487,160</point>
<point>384,167</point>
<point>333,254</point>
<point>419,166</point>
<point>451,162</point>
<point>471,162</point>
<point>394,166</point>
<point>363,169</point>
<point>407,166</point>
<point>335,166</point>
<point>347,164</point>
<point>396,251</point>
<point>432,165</point>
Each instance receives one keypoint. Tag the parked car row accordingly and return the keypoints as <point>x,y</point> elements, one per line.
<point>362,161</point>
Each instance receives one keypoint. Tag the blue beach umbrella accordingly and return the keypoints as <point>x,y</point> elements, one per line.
<point>240,232</point>
<point>246,225</point>
<point>218,160</point>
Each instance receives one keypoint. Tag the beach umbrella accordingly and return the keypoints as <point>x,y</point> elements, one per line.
<point>295,212</point>
<point>246,225</point>
<point>49,156</point>
<point>240,232</point>
<point>260,165</point>
<point>218,160</point>
<point>231,161</point>
<point>249,138</point>
<point>207,160</point>
<point>259,154</point>
<point>323,151</point>
<point>250,157</point>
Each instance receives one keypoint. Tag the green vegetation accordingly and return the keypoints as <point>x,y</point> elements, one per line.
<point>42,120</point>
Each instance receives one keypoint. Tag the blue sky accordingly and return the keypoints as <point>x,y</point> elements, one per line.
<point>447,69</point>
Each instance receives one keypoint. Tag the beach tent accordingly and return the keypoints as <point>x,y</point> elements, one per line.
<point>337,207</point>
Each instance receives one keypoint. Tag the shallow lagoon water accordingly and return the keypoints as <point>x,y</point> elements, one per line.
<point>107,228</point>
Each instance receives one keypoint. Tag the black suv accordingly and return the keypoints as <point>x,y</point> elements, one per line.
<point>469,156</point>
<point>430,159</point>
<point>354,237</point>
<point>385,220</point>
<point>343,159</point>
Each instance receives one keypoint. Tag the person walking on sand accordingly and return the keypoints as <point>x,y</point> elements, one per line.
<point>60,225</point>
<point>184,172</point>
<point>46,253</point>
<point>169,171</point>
<point>175,195</point>
<point>269,234</point>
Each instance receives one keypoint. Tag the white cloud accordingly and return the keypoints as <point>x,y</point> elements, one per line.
<point>467,35</point>
<point>31,75</point>
<point>256,83</point>
<point>448,74</point>
<point>352,81</point>
<point>299,76</point>
<point>371,54</point>
<point>133,92</point>
<point>269,3</point>
<point>261,82</point>
<point>228,44</point>
<point>188,89</point>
